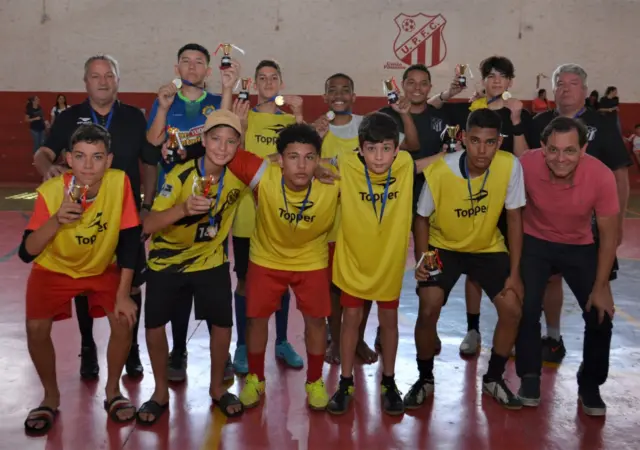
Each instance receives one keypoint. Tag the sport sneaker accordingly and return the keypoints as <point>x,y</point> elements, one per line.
<point>240,362</point>
<point>228,370</point>
<point>317,396</point>
<point>252,391</point>
<point>591,402</point>
<point>177,370</point>
<point>471,343</point>
<point>392,402</point>
<point>89,367</point>
<point>286,353</point>
<point>419,392</point>
<point>339,403</point>
<point>499,390</point>
<point>553,351</point>
<point>529,391</point>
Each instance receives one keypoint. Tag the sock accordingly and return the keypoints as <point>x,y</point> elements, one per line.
<point>85,321</point>
<point>388,380</point>
<point>497,364</point>
<point>256,364</point>
<point>425,367</point>
<point>137,299</point>
<point>180,325</point>
<point>314,367</point>
<point>241,318</point>
<point>282,319</point>
<point>553,332</point>
<point>473,322</point>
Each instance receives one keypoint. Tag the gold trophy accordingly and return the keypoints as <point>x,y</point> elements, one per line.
<point>391,91</point>
<point>225,63</point>
<point>462,70</point>
<point>452,131</point>
<point>432,263</point>
<point>78,192</point>
<point>244,89</point>
<point>202,185</point>
<point>173,145</point>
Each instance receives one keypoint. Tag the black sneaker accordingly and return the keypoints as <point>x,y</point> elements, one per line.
<point>529,391</point>
<point>339,403</point>
<point>419,392</point>
<point>553,351</point>
<point>89,367</point>
<point>177,370</point>
<point>591,402</point>
<point>133,365</point>
<point>499,390</point>
<point>392,402</point>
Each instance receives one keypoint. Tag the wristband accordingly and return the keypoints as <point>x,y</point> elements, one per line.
<point>518,130</point>
<point>146,207</point>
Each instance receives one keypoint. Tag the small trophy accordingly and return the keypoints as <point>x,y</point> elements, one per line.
<point>462,69</point>
<point>391,90</point>
<point>202,185</point>
<point>78,192</point>
<point>432,263</point>
<point>225,63</point>
<point>452,131</point>
<point>330,115</point>
<point>506,95</point>
<point>173,146</point>
<point>244,89</point>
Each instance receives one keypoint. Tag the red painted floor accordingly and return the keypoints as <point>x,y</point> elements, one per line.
<point>458,418</point>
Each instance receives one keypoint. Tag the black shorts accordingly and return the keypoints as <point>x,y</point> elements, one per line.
<point>210,291</point>
<point>139,276</point>
<point>490,270</point>
<point>241,256</point>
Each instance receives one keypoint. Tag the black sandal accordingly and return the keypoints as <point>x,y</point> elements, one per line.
<point>117,404</point>
<point>151,407</point>
<point>227,400</point>
<point>40,414</point>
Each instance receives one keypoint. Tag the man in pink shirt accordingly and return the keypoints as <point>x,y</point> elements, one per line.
<point>565,187</point>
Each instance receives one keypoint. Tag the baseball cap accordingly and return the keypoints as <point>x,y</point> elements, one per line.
<point>222,117</point>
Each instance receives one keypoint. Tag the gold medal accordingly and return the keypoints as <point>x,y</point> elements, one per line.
<point>506,95</point>
<point>212,231</point>
<point>177,83</point>
<point>279,100</point>
<point>330,115</point>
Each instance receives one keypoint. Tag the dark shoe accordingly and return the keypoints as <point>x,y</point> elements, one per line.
<point>591,402</point>
<point>89,368</point>
<point>133,365</point>
<point>529,391</point>
<point>499,390</point>
<point>177,371</point>
<point>553,351</point>
<point>392,402</point>
<point>419,392</point>
<point>339,403</point>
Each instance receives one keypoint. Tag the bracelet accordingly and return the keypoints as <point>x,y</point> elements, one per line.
<point>146,207</point>
<point>440,97</point>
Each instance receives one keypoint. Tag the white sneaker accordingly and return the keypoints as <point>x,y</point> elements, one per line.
<point>471,343</point>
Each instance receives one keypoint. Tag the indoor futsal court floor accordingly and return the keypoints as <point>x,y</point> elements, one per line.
<point>458,418</point>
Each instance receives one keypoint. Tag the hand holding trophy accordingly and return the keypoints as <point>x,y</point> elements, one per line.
<point>429,269</point>
<point>245,83</point>
<point>173,145</point>
<point>461,71</point>
<point>225,62</point>
<point>391,90</point>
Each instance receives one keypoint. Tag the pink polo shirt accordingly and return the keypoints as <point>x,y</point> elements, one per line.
<point>559,212</point>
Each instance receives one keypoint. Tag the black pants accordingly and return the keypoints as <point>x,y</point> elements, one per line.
<point>578,264</point>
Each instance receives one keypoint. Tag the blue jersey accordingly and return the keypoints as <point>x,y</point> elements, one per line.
<point>188,117</point>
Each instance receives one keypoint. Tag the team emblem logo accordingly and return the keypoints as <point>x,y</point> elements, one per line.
<point>420,39</point>
<point>437,125</point>
<point>208,110</point>
<point>591,133</point>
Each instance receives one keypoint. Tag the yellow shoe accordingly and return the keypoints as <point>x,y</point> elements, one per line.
<point>317,395</point>
<point>252,391</point>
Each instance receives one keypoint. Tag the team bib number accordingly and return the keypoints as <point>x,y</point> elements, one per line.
<point>201,233</point>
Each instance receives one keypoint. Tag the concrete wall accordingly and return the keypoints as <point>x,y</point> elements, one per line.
<point>312,39</point>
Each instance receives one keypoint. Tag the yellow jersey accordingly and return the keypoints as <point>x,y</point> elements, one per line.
<point>186,246</point>
<point>86,247</point>
<point>371,251</point>
<point>260,139</point>
<point>463,221</point>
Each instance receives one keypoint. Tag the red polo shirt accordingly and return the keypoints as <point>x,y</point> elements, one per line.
<point>559,212</point>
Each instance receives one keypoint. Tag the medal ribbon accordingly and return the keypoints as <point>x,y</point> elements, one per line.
<point>94,117</point>
<point>212,213</point>
<point>304,202</point>
<point>466,172</point>
<point>383,201</point>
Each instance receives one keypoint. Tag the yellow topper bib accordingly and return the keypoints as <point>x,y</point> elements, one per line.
<point>282,242</point>
<point>87,247</point>
<point>371,254</point>
<point>260,139</point>
<point>465,223</point>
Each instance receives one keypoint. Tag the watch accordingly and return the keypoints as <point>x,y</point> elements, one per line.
<point>146,207</point>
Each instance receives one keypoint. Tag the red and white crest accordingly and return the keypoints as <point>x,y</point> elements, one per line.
<point>420,39</point>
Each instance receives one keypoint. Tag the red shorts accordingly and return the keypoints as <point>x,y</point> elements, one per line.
<point>49,294</point>
<point>265,287</point>
<point>349,301</point>
<point>332,250</point>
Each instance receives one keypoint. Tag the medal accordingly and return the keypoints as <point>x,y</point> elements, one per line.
<point>212,231</point>
<point>330,115</point>
<point>279,100</point>
<point>177,83</point>
<point>506,96</point>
